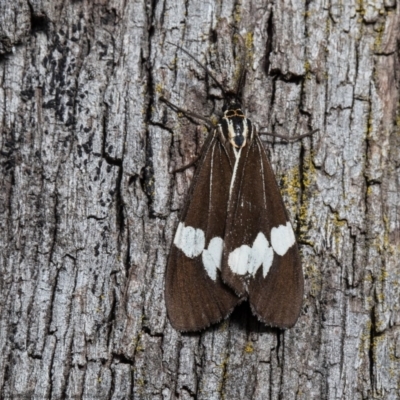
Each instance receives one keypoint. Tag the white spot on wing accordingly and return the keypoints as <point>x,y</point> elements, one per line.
<point>190,240</point>
<point>239,259</point>
<point>257,253</point>
<point>282,238</point>
<point>245,259</point>
<point>262,254</point>
<point>178,234</point>
<point>212,257</point>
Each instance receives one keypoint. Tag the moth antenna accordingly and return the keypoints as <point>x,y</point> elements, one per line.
<point>202,66</point>
<point>240,84</point>
<point>288,138</point>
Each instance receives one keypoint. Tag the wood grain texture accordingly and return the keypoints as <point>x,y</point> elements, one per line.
<point>88,204</point>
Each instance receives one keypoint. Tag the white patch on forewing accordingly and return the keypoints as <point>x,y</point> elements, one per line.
<point>212,257</point>
<point>238,259</point>
<point>178,234</point>
<point>262,253</point>
<point>282,238</point>
<point>246,259</point>
<point>190,240</point>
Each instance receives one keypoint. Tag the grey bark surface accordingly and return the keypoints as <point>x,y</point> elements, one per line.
<point>88,203</point>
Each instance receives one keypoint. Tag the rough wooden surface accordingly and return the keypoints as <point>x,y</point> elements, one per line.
<point>88,204</point>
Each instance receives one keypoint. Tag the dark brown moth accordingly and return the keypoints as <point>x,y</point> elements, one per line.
<point>234,241</point>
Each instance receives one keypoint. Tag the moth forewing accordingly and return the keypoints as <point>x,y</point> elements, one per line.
<point>260,258</point>
<point>195,294</point>
<point>277,299</point>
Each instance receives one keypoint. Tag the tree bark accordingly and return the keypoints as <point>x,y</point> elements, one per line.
<point>88,203</point>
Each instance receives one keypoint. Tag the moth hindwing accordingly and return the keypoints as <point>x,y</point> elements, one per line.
<point>234,240</point>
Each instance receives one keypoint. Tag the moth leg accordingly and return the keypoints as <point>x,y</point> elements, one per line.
<point>289,139</point>
<point>188,114</point>
<point>181,169</point>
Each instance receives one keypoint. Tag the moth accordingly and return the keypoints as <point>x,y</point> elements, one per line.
<point>234,241</point>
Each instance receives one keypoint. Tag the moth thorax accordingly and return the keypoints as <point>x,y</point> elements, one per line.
<point>237,128</point>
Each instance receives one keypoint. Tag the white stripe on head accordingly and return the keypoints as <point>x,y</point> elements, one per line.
<point>245,129</point>
<point>231,128</point>
<point>282,238</point>
<point>212,257</point>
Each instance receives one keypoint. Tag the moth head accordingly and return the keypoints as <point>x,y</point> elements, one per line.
<point>235,126</point>
<point>231,103</point>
